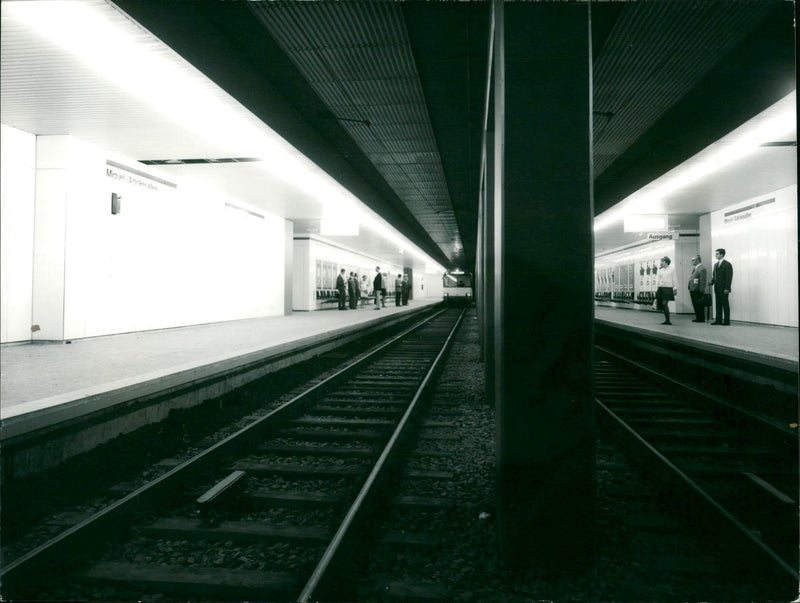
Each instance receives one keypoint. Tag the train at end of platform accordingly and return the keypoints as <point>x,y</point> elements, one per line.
<point>458,287</point>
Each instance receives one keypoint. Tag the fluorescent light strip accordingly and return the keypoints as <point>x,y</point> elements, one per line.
<point>127,55</point>
<point>771,124</point>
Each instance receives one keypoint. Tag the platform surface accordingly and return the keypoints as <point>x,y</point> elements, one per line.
<point>740,338</point>
<point>37,376</point>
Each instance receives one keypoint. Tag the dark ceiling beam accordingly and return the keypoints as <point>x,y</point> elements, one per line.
<point>753,76</point>
<point>602,19</point>
<point>449,41</point>
<point>227,43</point>
<point>453,78</point>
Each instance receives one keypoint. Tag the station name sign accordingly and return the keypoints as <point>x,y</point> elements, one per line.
<point>129,179</point>
<point>135,177</point>
<point>745,213</point>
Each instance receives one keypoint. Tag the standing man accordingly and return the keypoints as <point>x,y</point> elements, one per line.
<point>398,289</point>
<point>377,287</point>
<point>406,289</point>
<point>341,288</point>
<point>697,287</point>
<point>352,288</point>
<point>722,279</point>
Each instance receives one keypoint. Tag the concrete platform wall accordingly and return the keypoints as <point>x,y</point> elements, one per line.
<point>166,255</point>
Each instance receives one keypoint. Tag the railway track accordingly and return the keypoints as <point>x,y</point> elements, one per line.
<point>280,509</point>
<point>405,564</point>
<point>733,473</point>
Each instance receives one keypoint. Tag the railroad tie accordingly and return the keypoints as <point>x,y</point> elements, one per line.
<point>417,541</point>
<point>425,502</point>
<point>295,499</point>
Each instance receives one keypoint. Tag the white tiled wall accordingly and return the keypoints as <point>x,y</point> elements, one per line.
<point>761,243</point>
<point>303,281</point>
<point>17,185</point>
<point>174,255</point>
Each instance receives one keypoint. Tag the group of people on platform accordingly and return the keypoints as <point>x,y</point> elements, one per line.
<point>721,280</point>
<point>351,289</point>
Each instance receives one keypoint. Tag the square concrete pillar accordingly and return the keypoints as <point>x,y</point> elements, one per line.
<point>542,309</point>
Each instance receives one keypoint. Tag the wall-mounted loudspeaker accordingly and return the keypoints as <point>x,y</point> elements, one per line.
<point>116,205</point>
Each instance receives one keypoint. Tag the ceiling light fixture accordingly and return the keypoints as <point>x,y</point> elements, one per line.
<point>774,123</point>
<point>129,56</point>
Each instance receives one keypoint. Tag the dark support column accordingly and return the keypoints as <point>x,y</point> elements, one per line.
<point>485,247</point>
<point>494,251</point>
<point>480,270</point>
<point>544,314</point>
<point>488,259</point>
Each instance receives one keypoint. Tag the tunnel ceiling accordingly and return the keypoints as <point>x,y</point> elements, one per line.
<point>389,97</point>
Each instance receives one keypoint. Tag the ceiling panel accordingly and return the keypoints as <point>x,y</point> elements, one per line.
<point>356,56</point>
<point>389,97</point>
<point>49,91</point>
<point>655,54</point>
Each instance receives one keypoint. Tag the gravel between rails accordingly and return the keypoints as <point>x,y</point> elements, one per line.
<point>629,560</point>
<point>626,569</point>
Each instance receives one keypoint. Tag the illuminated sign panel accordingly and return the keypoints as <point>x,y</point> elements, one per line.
<point>332,227</point>
<point>646,223</point>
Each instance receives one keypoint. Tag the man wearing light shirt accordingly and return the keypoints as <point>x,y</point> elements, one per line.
<point>665,281</point>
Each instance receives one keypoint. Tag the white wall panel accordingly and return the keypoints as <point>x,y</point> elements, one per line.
<point>785,268</point>
<point>433,285</point>
<point>92,305</point>
<point>767,268</point>
<point>17,190</point>
<point>302,285</point>
<point>49,236</point>
<point>760,239</point>
<point>173,256</point>
<point>737,246</point>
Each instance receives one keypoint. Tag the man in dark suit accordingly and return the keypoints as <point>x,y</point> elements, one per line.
<point>697,287</point>
<point>352,290</point>
<point>341,287</point>
<point>722,278</point>
<point>377,287</point>
<point>398,290</point>
<point>405,290</point>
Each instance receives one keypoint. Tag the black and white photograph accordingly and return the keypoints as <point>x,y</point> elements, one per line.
<point>388,301</point>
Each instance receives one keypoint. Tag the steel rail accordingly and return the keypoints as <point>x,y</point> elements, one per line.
<point>698,491</point>
<point>689,485</point>
<point>787,429</point>
<point>337,546</point>
<point>110,517</point>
